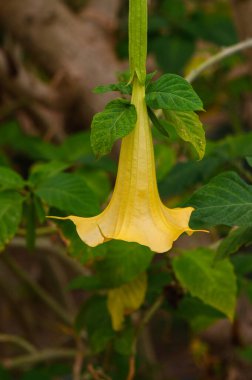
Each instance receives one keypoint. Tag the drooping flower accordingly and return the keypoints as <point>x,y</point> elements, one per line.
<point>135,212</point>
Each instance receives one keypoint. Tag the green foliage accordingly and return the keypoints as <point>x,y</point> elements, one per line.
<point>172,92</point>
<point>10,180</point>
<point>69,193</point>
<point>215,284</point>
<point>10,215</point>
<point>234,241</point>
<point>198,314</point>
<point>122,87</point>
<point>116,121</point>
<point>135,258</point>
<point>95,318</point>
<point>226,199</point>
<point>188,126</point>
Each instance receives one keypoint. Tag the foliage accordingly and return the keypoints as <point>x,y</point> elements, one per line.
<point>122,285</point>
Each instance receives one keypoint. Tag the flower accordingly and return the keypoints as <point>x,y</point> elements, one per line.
<point>135,212</point>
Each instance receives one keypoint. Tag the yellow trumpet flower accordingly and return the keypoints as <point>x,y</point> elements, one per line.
<point>135,212</point>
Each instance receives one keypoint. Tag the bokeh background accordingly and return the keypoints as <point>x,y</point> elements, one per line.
<point>52,55</point>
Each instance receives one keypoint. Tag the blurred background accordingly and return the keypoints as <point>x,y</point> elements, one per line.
<point>52,55</point>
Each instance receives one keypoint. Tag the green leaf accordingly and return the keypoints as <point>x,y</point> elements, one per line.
<point>76,248</point>
<point>85,283</point>
<point>10,215</point>
<point>4,375</point>
<point>41,172</point>
<point>138,38</point>
<point>249,161</point>
<point>75,147</point>
<point>172,92</point>
<point>226,200</point>
<point>124,340</point>
<point>122,263</point>
<point>164,159</point>
<point>94,317</point>
<point>188,126</point>
<point>197,313</point>
<point>10,180</point>
<point>242,264</point>
<point>69,193</point>
<point>116,121</point>
<point>184,175</point>
<point>215,284</point>
<point>234,241</point>
<point>124,88</point>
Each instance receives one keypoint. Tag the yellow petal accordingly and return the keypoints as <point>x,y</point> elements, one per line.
<point>135,212</point>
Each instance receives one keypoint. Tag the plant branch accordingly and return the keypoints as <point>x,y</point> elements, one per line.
<point>37,357</point>
<point>46,245</point>
<point>219,57</point>
<point>18,341</point>
<point>37,289</point>
<point>145,320</point>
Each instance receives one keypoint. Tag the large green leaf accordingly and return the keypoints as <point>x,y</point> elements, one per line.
<point>198,314</point>
<point>226,200</point>
<point>41,172</point>
<point>189,127</point>
<point>69,193</point>
<point>172,92</point>
<point>122,263</point>
<point>234,241</point>
<point>213,284</point>
<point>116,121</point>
<point>11,180</point>
<point>10,215</point>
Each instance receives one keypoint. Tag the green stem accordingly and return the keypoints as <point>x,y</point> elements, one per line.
<point>138,24</point>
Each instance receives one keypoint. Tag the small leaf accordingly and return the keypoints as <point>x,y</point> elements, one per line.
<point>116,121</point>
<point>69,193</point>
<point>188,126</point>
<point>126,299</point>
<point>213,284</point>
<point>122,87</point>
<point>234,241</point>
<point>10,180</point>
<point>226,200</point>
<point>172,92</point>
<point>10,215</point>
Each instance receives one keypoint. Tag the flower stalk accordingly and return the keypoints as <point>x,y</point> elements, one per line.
<point>135,212</point>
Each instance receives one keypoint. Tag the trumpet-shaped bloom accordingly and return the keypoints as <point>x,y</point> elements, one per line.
<point>135,212</point>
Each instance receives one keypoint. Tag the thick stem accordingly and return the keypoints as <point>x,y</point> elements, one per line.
<point>138,23</point>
